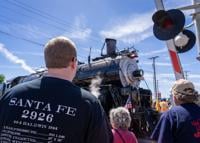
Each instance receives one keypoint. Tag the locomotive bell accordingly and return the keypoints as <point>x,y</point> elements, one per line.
<point>111,47</point>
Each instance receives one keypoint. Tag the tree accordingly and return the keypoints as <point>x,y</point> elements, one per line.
<point>2,78</point>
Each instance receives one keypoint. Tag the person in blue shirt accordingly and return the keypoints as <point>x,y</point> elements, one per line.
<point>180,124</point>
<point>52,109</point>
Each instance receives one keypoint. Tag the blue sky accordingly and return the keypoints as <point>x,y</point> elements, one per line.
<point>25,25</point>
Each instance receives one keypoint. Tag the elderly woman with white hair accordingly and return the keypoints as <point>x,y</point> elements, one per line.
<point>120,120</point>
<point>180,124</point>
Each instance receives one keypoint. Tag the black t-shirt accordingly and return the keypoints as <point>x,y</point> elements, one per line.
<point>181,124</point>
<point>52,110</point>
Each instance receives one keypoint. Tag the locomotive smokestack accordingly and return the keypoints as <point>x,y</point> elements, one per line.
<point>111,46</point>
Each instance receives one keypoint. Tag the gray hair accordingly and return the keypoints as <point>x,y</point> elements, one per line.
<point>120,118</point>
<point>184,91</point>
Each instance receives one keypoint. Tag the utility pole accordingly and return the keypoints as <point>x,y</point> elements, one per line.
<point>157,88</point>
<point>154,76</point>
<point>186,74</point>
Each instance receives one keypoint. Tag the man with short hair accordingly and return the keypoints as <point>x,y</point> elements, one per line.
<point>180,124</point>
<point>53,109</point>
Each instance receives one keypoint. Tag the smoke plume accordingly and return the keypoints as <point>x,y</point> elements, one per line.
<point>15,59</point>
<point>95,86</point>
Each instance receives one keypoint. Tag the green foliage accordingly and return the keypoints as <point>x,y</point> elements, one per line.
<point>2,78</point>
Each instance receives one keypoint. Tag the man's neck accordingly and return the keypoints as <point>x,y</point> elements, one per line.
<point>63,73</point>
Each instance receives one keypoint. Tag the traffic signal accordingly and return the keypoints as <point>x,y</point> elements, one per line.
<point>185,41</point>
<point>168,24</point>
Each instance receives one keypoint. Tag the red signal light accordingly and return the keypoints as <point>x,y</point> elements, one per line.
<point>163,20</point>
<point>167,23</point>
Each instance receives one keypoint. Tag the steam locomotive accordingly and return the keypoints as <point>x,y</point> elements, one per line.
<point>115,79</point>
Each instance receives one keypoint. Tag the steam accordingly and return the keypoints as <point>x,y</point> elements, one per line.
<point>15,59</point>
<point>95,86</point>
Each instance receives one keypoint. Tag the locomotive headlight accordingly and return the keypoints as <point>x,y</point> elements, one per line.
<point>138,73</point>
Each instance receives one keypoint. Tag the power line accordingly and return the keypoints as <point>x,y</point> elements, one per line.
<point>31,11</point>
<point>60,28</point>
<point>41,13</point>
<point>6,20</point>
<point>45,15</point>
<point>146,83</point>
<point>27,40</point>
<point>38,20</point>
<point>23,28</point>
<point>30,41</point>
<point>16,3</point>
<point>55,26</point>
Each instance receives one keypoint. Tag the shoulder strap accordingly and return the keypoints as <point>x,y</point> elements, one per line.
<point>120,135</point>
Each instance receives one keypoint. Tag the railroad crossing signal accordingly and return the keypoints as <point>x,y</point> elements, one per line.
<point>170,25</point>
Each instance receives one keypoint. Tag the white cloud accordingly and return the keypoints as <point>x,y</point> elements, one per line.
<point>190,64</point>
<point>172,76</point>
<point>157,64</point>
<point>31,31</point>
<point>195,76</point>
<point>29,53</point>
<point>80,30</point>
<point>26,31</point>
<point>164,50</point>
<point>163,64</point>
<point>162,77</point>
<point>15,59</point>
<point>166,75</point>
<point>132,30</point>
<point>173,4</point>
<point>197,86</point>
<point>166,80</point>
<point>177,3</point>
<point>9,67</point>
<point>148,76</point>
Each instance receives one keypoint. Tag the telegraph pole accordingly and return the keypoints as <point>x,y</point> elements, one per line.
<point>186,74</point>
<point>157,88</point>
<point>154,76</point>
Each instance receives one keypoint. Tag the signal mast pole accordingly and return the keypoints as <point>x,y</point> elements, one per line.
<point>178,71</point>
<point>196,19</point>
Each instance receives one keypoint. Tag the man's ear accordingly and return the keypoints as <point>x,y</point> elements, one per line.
<point>73,64</point>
